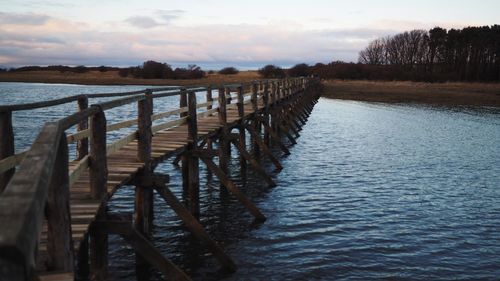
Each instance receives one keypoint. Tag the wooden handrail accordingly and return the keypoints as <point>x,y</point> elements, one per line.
<point>22,204</point>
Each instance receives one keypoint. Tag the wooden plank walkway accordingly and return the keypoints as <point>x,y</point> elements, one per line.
<point>51,207</point>
<point>123,167</point>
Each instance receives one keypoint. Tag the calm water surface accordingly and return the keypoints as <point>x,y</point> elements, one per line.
<point>371,191</point>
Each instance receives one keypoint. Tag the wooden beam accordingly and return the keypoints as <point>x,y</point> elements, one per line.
<point>141,245</point>
<point>255,165</point>
<point>264,147</point>
<point>231,187</point>
<point>276,138</point>
<point>194,226</point>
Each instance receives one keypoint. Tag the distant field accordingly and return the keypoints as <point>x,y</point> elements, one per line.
<point>479,94</point>
<point>112,78</point>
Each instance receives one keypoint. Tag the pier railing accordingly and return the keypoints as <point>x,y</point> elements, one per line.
<point>39,188</point>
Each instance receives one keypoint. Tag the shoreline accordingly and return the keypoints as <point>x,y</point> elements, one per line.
<point>444,94</point>
<point>440,94</point>
<point>111,78</point>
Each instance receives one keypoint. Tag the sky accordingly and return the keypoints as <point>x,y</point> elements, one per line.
<point>216,33</point>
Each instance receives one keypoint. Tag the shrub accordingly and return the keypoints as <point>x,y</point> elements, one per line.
<point>299,70</point>
<point>272,71</point>
<point>229,70</point>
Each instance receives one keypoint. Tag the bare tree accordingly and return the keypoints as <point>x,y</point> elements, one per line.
<point>374,53</point>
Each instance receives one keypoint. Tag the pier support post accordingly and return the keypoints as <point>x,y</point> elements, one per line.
<point>265,121</point>
<point>224,134</point>
<point>255,123</point>
<point>193,163</point>
<point>241,129</point>
<point>143,191</point>
<point>183,102</point>
<point>98,173</point>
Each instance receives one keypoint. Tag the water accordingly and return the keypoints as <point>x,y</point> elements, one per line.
<point>371,191</point>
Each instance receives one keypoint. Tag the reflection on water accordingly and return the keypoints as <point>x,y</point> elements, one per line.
<point>370,191</point>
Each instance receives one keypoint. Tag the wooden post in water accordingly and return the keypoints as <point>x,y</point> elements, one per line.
<point>241,129</point>
<point>224,134</point>
<point>143,211</point>
<point>82,146</point>
<point>183,102</point>
<point>6,146</point>
<point>255,123</point>
<point>59,239</point>
<point>193,163</point>
<point>98,172</point>
<point>265,122</point>
<point>143,191</point>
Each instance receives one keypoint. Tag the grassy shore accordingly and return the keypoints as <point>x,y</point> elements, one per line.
<point>476,94</point>
<point>112,78</point>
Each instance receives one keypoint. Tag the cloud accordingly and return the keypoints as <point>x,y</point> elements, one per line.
<point>160,18</point>
<point>170,15</point>
<point>23,19</point>
<point>143,22</point>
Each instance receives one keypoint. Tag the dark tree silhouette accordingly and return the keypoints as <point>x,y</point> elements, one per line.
<point>229,70</point>
<point>299,70</point>
<point>272,71</point>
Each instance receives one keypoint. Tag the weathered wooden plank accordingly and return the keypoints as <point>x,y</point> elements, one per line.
<point>169,124</point>
<point>168,113</point>
<point>12,161</point>
<point>78,170</point>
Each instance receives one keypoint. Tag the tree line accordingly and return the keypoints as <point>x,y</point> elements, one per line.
<point>468,54</point>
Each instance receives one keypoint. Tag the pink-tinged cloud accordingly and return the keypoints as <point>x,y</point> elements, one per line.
<point>46,41</point>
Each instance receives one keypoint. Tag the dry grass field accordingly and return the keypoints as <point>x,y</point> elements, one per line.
<point>480,94</point>
<point>112,78</point>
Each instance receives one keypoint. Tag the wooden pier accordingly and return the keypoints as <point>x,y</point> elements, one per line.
<point>53,219</point>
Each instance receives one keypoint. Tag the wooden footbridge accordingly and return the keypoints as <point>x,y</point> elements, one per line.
<point>53,220</point>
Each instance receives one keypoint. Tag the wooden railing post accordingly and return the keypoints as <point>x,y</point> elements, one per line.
<point>223,142</point>
<point>143,190</point>
<point>241,128</point>
<point>6,146</point>
<point>82,146</point>
<point>98,169</point>
<point>193,162</point>
<point>98,172</point>
<point>59,240</point>
<point>209,97</point>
